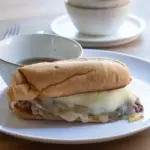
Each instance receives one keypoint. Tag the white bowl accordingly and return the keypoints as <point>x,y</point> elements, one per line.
<point>98,21</point>
<point>19,48</point>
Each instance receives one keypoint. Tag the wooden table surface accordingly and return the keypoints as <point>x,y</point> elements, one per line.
<point>141,141</point>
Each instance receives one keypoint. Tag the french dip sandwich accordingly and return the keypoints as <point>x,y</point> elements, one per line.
<point>83,90</point>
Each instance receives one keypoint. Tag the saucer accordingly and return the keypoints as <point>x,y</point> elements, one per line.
<point>129,31</point>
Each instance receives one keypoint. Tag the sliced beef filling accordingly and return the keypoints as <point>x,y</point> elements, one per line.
<point>124,111</point>
<point>138,106</point>
<point>37,108</point>
<point>24,106</point>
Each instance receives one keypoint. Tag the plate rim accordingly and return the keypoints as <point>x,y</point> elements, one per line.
<point>84,141</point>
<point>70,142</point>
<point>141,23</point>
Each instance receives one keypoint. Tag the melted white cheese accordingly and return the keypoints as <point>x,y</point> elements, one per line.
<point>95,103</point>
<point>100,102</point>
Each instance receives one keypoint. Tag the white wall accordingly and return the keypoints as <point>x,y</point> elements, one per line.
<point>14,9</point>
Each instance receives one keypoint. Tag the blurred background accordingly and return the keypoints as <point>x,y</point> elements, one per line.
<point>36,8</point>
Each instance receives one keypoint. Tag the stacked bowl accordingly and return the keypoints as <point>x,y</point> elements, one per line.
<point>98,17</point>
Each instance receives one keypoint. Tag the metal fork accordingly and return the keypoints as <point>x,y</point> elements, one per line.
<point>11,31</point>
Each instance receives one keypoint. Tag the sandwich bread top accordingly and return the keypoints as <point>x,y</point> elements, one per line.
<point>68,77</point>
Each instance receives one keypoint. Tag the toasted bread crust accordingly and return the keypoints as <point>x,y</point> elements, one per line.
<point>65,78</point>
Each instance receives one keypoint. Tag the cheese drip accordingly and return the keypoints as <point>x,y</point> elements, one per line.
<point>99,102</point>
<point>99,105</point>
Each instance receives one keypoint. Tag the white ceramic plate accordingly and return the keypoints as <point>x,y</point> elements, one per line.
<point>130,30</point>
<point>68,133</point>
